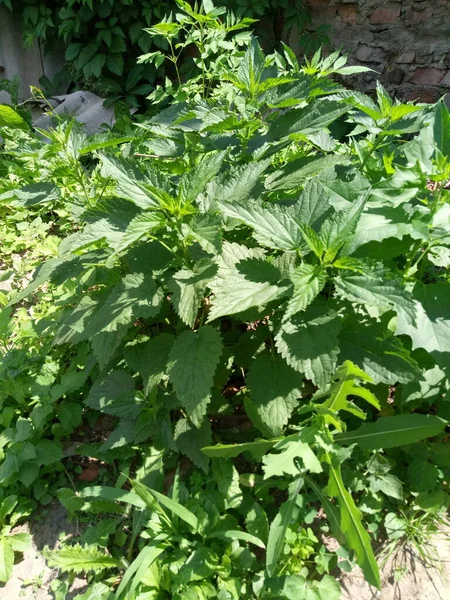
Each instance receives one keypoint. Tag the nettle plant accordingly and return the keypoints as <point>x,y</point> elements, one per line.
<point>261,272</point>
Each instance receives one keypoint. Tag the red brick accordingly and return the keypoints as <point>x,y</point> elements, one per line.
<point>423,95</point>
<point>383,16</point>
<point>430,76</point>
<point>348,13</point>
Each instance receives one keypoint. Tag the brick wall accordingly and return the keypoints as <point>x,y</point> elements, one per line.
<point>407,42</point>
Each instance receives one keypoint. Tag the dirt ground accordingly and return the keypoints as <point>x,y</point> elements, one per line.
<point>31,578</point>
<point>414,581</point>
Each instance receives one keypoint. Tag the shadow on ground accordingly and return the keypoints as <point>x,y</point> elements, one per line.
<point>31,577</point>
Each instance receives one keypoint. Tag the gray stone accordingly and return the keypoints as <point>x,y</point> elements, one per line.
<point>86,107</point>
<point>368,54</point>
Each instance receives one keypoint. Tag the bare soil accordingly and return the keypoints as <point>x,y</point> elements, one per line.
<point>31,577</point>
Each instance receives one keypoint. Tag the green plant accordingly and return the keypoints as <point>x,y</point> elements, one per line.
<point>103,39</point>
<point>249,277</point>
<point>10,543</point>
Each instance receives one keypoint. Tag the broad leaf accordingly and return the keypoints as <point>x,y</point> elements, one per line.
<point>336,230</point>
<point>295,173</point>
<point>309,281</point>
<point>376,287</point>
<point>431,330</point>
<point>310,119</point>
<point>275,389</point>
<point>243,281</point>
<point>188,289</point>
<point>150,359</point>
<point>130,181</point>
<point>194,182</point>
<point>190,441</point>
<point>193,361</point>
<point>274,227</point>
<point>309,343</point>
<point>390,432</point>
<point>113,393</point>
<point>377,352</point>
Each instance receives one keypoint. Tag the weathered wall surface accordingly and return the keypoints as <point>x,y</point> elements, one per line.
<point>406,41</point>
<point>29,63</point>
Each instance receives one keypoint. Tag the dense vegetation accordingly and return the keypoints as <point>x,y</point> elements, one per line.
<point>225,332</point>
<point>103,39</point>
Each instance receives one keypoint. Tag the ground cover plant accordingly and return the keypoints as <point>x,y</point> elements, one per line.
<point>235,343</point>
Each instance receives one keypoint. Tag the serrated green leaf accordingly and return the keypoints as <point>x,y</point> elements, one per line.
<point>313,205</point>
<point>273,226</point>
<point>193,361</point>
<point>194,182</point>
<point>134,297</point>
<point>309,281</point>
<point>130,180</point>
<point>310,119</point>
<point>309,343</point>
<point>377,352</point>
<point>113,393</point>
<point>238,184</point>
<point>206,230</point>
<point>295,173</point>
<point>78,559</point>
<point>431,330</point>
<point>243,281</point>
<point>150,359</point>
<point>379,288</point>
<point>379,224</point>
<point>275,389</point>
<point>188,289</point>
<point>337,230</point>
